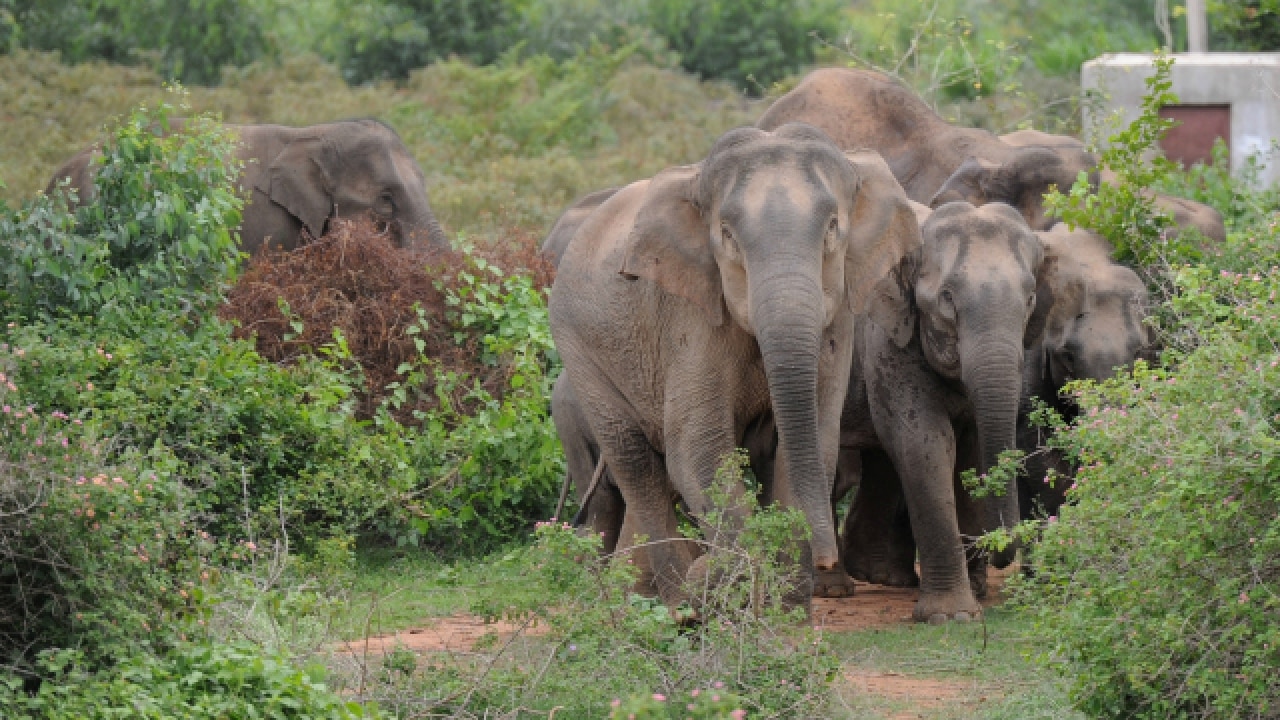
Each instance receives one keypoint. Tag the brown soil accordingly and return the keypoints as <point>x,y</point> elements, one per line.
<point>456,633</point>
<point>878,605</point>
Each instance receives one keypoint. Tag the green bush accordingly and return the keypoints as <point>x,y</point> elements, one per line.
<point>98,549</point>
<point>190,682</point>
<point>603,649</point>
<point>188,40</point>
<point>1156,588</point>
<point>161,224</point>
<point>750,43</point>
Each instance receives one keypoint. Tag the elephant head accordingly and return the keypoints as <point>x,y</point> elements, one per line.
<point>1020,181</point>
<point>350,169</point>
<point>781,234</point>
<point>1096,324</point>
<point>974,293</point>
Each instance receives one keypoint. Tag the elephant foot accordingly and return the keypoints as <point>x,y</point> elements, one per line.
<point>832,584</point>
<point>885,574</point>
<point>940,608</point>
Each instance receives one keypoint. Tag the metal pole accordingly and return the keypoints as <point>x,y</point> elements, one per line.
<point>1197,27</point>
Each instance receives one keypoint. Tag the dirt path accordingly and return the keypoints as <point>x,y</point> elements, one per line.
<point>872,606</point>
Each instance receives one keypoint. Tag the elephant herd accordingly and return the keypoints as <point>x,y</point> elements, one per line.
<point>862,296</point>
<point>858,293</point>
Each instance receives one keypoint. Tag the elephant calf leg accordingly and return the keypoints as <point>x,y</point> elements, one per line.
<point>877,544</point>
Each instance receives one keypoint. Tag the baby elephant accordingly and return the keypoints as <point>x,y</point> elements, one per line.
<point>1094,327</point>
<point>302,177</point>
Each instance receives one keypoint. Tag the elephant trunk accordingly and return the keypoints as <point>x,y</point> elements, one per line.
<point>992,376</point>
<point>787,315</point>
<point>425,221</point>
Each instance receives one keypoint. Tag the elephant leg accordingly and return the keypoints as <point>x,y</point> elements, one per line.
<point>604,509</point>
<point>836,583</point>
<point>908,410</point>
<point>968,512</point>
<point>879,546</point>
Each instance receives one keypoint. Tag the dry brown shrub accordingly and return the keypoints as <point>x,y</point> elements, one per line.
<point>358,281</point>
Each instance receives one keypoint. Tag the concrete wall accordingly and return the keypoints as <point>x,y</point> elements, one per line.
<point>1248,82</point>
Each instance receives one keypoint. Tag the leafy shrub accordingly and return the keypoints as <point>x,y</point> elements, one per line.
<point>602,649</point>
<point>97,551</point>
<point>388,38</point>
<point>161,223</point>
<point>750,43</point>
<point>191,681</point>
<point>1156,586</point>
<point>188,40</point>
<point>1243,199</point>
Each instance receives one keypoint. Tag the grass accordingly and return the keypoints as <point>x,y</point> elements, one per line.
<point>488,172</point>
<point>949,672</point>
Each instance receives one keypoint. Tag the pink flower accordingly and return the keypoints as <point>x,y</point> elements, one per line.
<point>616,702</point>
<point>659,697</point>
<point>1244,598</point>
<point>696,692</point>
<point>738,714</point>
<point>717,684</point>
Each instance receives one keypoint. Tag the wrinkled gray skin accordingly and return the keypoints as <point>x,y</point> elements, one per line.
<point>688,305</point>
<point>934,396</point>
<point>302,177</point>
<point>1094,327</point>
<point>570,220</point>
<point>1185,213</point>
<point>934,161</point>
<point>605,510</point>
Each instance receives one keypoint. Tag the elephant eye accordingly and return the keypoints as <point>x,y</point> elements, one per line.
<point>1031,302</point>
<point>386,202</point>
<point>833,233</point>
<point>726,238</point>
<point>946,304</point>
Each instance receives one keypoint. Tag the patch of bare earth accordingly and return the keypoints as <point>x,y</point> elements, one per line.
<point>875,606</point>
<point>456,633</point>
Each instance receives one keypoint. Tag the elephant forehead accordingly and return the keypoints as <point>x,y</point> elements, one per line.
<point>790,188</point>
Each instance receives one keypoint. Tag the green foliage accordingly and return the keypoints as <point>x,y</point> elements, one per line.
<point>188,40</point>
<point>492,463</point>
<point>98,550</point>
<point>1156,586</point>
<point>1158,583</point>
<point>388,38</point>
<point>161,224</point>
<point>190,682</point>
<point>1123,211</point>
<point>601,641</point>
<point>1244,25</point>
<point>750,43</point>
<point>1243,199</point>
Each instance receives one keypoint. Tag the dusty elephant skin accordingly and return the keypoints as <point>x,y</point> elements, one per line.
<point>1185,213</point>
<point>566,226</point>
<point>934,161</point>
<point>688,305</point>
<point>937,394</point>
<point>1094,327</point>
<point>300,177</point>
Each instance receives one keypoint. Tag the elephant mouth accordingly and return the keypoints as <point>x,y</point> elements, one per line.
<point>943,346</point>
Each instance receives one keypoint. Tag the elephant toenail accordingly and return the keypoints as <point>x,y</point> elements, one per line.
<point>962,617</point>
<point>937,619</point>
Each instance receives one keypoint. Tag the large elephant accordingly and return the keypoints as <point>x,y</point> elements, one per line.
<point>1185,213</point>
<point>935,395</point>
<point>688,305</point>
<point>566,226</point>
<point>301,177</point>
<point>861,108</point>
<point>1094,327</point>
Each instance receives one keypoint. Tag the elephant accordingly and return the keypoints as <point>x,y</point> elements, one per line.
<point>936,394</point>
<point>1095,326</point>
<point>570,220</point>
<point>1185,213</point>
<point>689,304</point>
<point>295,178</point>
<point>862,108</point>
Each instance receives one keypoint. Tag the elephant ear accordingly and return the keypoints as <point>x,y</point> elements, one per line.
<point>1048,281</point>
<point>300,179</point>
<point>969,183</point>
<point>884,249</point>
<point>670,243</point>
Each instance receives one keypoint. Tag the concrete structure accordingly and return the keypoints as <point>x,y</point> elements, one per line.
<point>1215,90</point>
